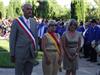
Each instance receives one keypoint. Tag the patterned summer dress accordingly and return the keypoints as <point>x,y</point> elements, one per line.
<point>71,43</point>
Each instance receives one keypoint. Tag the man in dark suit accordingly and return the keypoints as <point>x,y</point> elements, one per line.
<point>92,37</point>
<point>23,41</point>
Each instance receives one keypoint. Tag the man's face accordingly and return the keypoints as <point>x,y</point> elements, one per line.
<point>27,10</point>
<point>93,24</point>
<point>72,27</point>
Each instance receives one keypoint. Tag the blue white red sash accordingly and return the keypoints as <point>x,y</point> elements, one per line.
<point>27,30</point>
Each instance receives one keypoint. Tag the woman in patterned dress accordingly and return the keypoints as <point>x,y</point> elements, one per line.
<point>71,45</point>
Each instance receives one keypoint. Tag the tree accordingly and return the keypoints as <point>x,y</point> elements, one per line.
<point>56,11</point>
<point>98,7</point>
<point>29,1</point>
<point>14,8</point>
<point>17,8</point>
<point>2,10</point>
<point>73,9</point>
<point>78,10</point>
<point>35,5</point>
<point>10,10</point>
<point>42,10</point>
<point>0,15</point>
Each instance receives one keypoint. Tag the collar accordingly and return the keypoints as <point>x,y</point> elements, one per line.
<point>25,19</point>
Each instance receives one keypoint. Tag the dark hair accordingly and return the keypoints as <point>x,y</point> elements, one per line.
<point>93,21</point>
<point>81,23</point>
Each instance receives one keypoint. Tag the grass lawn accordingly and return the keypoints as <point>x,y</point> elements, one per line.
<point>5,56</point>
<point>4,45</point>
<point>5,60</point>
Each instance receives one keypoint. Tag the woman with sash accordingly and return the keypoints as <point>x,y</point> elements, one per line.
<point>51,46</point>
<point>71,40</point>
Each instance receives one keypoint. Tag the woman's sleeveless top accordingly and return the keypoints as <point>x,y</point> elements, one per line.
<point>50,45</point>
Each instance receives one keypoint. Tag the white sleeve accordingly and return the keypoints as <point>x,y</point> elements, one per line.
<point>82,41</point>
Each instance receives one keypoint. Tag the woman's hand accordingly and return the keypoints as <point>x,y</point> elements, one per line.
<point>75,56</point>
<point>72,58</point>
<point>59,60</point>
<point>48,62</point>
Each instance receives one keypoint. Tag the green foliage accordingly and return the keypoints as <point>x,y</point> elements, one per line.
<point>5,60</point>
<point>4,45</point>
<point>51,9</point>
<point>17,8</point>
<point>2,9</point>
<point>0,15</point>
<point>10,10</point>
<point>78,9</point>
<point>55,10</point>
<point>14,8</point>
<point>73,9</point>
<point>40,55</point>
<point>42,10</point>
<point>98,8</point>
<point>35,4</point>
<point>5,56</point>
<point>93,12</point>
<point>29,1</point>
<point>45,9</point>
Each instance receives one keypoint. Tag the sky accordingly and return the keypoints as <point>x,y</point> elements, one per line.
<point>61,2</point>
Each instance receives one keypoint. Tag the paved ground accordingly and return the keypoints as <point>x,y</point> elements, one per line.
<point>85,68</point>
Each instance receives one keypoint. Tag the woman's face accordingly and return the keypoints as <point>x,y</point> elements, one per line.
<point>72,27</point>
<point>86,25</point>
<point>52,28</point>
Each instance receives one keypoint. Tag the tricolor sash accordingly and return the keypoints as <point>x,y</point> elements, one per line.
<point>23,25</point>
<point>55,41</point>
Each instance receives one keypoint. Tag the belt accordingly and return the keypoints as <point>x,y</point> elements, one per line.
<point>51,50</point>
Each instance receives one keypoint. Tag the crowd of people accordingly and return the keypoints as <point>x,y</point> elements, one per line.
<point>60,41</point>
<point>5,27</point>
<point>89,40</point>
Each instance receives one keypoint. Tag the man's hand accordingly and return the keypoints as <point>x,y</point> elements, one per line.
<point>13,59</point>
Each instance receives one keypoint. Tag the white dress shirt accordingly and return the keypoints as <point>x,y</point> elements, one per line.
<point>41,31</point>
<point>27,21</point>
